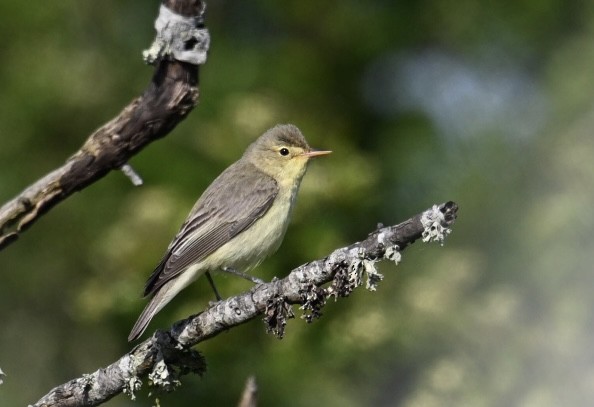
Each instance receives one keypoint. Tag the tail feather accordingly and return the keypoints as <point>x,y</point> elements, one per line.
<point>163,295</point>
<point>155,305</point>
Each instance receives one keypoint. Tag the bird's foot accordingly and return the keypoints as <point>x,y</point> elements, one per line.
<point>253,279</point>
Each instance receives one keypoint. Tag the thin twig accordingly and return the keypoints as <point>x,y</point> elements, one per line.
<point>129,172</point>
<point>249,398</point>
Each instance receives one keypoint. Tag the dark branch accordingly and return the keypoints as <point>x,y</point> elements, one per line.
<point>171,95</point>
<point>167,355</point>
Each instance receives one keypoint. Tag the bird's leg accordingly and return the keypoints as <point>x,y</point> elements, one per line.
<point>214,287</point>
<point>253,279</point>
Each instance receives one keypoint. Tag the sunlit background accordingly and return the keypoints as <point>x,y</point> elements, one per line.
<point>489,104</point>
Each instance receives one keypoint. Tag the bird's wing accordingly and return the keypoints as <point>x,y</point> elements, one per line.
<point>221,214</point>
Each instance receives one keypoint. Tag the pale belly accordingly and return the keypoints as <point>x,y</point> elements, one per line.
<point>247,249</point>
<point>243,252</point>
<point>259,241</point>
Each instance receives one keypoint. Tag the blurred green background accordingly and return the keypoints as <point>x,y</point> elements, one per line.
<point>489,104</point>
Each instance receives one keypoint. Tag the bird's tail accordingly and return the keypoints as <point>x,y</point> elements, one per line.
<point>163,295</point>
<point>155,305</point>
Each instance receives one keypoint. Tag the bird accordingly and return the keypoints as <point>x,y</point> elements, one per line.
<point>238,221</point>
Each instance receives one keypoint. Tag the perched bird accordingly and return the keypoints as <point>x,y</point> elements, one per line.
<point>239,220</point>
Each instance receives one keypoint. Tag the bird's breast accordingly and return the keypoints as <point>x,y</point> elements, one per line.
<point>261,239</point>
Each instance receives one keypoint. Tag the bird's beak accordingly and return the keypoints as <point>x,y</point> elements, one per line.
<point>315,153</point>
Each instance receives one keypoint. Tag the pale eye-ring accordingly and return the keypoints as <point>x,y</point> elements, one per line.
<point>284,151</point>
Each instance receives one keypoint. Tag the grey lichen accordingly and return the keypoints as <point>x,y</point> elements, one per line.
<point>373,276</point>
<point>313,299</point>
<point>392,253</point>
<point>277,312</point>
<point>164,378</point>
<point>381,237</point>
<point>178,37</point>
<point>341,285</point>
<point>133,384</point>
<point>355,273</point>
<point>432,221</point>
<point>360,265</point>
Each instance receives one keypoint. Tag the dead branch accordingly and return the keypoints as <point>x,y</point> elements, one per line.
<point>171,95</point>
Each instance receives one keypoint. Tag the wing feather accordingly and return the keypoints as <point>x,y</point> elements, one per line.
<point>232,203</point>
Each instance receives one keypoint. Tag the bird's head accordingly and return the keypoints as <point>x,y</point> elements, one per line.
<point>283,153</point>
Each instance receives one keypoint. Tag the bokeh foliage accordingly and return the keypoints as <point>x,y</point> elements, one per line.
<point>488,104</point>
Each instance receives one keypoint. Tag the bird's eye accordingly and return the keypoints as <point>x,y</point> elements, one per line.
<point>284,151</point>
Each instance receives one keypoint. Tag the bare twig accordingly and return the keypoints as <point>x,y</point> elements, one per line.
<point>171,95</point>
<point>167,355</point>
<point>129,172</point>
<point>249,398</point>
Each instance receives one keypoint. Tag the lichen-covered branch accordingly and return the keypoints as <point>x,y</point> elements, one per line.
<point>165,356</point>
<point>171,95</point>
